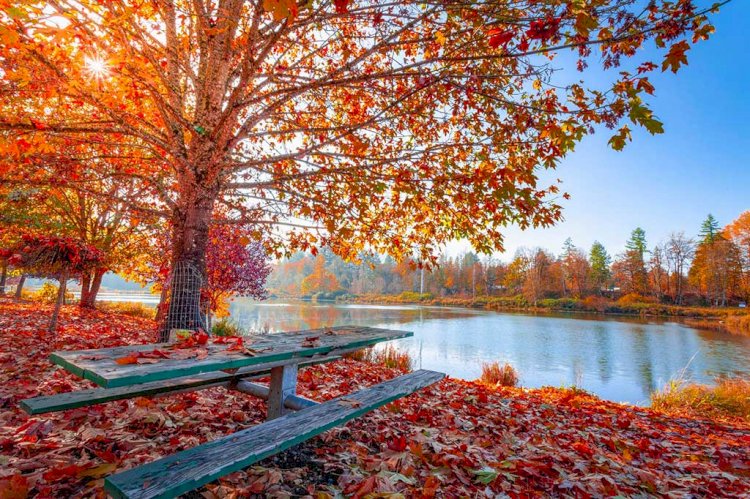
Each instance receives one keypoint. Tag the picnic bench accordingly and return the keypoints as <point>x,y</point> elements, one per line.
<point>169,368</point>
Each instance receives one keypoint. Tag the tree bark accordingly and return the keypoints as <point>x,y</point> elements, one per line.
<point>93,283</point>
<point>190,240</point>
<point>60,300</point>
<point>3,277</point>
<point>96,284</point>
<point>85,285</point>
<point>19,287</point>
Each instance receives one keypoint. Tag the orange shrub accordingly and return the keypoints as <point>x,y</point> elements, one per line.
<point>634,298</point>
<point>728,399</point>
<point>598,303</point>
<point>389,356</point>
<point>495,374</point>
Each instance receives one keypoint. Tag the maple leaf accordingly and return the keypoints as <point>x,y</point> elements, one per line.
<point>311,342</point>
<point>676,56</point>
<point>499,36</point>
<point>15,487</point>
<point>281,9</point>
<point>128,359</point>
<point>485,475</point>
<point>349,402</point>
<point>342,6</point>
<point>252,352</point>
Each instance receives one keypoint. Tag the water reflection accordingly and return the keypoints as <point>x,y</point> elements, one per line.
<point>621,359</point>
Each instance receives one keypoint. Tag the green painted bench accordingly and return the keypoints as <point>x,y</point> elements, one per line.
<point>189,469</point>
<point>83,398</point>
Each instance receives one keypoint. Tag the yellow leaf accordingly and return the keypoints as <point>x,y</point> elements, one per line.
<point>281,9</point>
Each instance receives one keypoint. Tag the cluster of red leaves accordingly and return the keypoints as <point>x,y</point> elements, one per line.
<point>455,438</point>
<point>45,255</point>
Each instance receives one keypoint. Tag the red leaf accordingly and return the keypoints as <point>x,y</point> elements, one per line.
<point>498,37</point>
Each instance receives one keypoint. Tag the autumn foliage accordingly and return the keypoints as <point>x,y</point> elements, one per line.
<point>389,127</point>
<point>547,442</point>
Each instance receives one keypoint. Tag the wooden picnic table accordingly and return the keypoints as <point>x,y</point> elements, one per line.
<point>168,368</point>
<point>219,354</point>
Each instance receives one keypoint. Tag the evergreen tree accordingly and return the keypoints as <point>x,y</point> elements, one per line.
<point>710,229</point>
<point>632,266</point>
<point>600,261</point>
<point>637,242</point>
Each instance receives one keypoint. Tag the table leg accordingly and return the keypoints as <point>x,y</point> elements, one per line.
<point>283,384</point>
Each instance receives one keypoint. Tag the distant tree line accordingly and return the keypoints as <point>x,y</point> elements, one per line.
<point>712,268</point>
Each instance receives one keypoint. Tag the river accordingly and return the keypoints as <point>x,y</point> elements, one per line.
<point>617,358</point>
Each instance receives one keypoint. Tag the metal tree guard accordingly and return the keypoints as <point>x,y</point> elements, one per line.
<point>185,310</point>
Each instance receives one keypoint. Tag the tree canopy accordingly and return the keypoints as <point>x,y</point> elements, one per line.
<point>389,126</point>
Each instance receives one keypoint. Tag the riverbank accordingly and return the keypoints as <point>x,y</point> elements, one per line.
<point>457,438</point>
<point>732,320</point>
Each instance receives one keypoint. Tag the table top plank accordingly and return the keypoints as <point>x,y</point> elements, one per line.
<point>100,365</point>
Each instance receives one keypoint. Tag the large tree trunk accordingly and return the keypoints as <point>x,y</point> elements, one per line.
<point>60,300</point>
<point>96,284</point>
<point>3,277</point>
<point>91,287</point>
<point>189,242</point>
<point>85,285</point>
<point>19,287</point>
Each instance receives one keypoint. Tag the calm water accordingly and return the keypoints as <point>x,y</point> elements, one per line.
<point>618,359</point>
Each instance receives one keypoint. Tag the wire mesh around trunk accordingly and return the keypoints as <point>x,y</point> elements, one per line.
<point>184,310</point>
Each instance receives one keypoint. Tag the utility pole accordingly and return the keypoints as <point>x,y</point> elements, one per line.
<point>473,281</point>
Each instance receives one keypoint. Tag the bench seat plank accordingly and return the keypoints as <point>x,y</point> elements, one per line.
<point>84,398</point>
<point>189,469</point>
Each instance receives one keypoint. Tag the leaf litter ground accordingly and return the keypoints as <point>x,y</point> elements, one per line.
<point>454,439</point>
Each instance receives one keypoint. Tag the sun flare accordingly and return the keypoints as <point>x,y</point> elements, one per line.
<point>96,67</point>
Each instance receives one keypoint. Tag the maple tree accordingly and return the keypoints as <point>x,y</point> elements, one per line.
<point>235,266</point>
<point>393,127</point>
<point>320,280</point>
<point>717,266</point>
<point>54,257</point>
<point>103,222</point>
<point>739,233</point>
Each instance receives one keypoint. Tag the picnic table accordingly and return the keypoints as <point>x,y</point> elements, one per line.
<point>168,368</point>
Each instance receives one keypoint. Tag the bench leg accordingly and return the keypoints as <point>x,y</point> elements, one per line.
<point>283,385</point>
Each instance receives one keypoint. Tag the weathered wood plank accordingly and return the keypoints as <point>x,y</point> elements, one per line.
<point>84,398</point>
<point>100,365</point>
<point>189,469</point>
<point>283,385</point>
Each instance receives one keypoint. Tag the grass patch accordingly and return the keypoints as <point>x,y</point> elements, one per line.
<point>729,399</point>
<point>389,356</point>
<point>738,324</point>
<point>226,327</point>
<point>495,374</point>
<point>133,309</point>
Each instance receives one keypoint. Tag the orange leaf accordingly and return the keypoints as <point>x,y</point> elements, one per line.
<point>128,359</point>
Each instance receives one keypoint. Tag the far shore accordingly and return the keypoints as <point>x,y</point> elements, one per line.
<point>735,320</point>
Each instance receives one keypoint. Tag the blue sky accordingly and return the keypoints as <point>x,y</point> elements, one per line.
<point>667,182</point>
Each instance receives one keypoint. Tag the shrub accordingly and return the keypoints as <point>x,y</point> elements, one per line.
<point>593,302</point>
<point>495,374</point>
<point>729,399</point>
<point>634,299</point>
<point>48,293</point>
<point>226,327</point>
<point>389,356</point>
<point>133,309</point>
<point>412,296</point>
<point>738,324</point>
